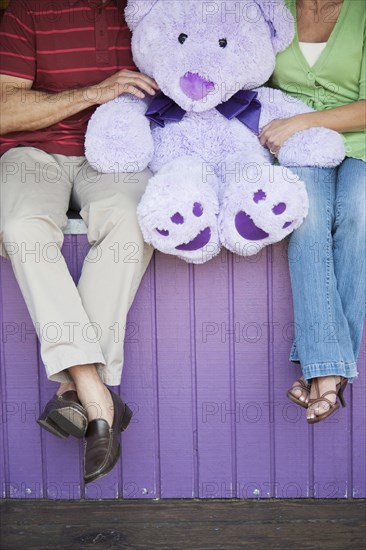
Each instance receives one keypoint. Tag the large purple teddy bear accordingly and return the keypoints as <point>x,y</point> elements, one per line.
<point>214,184</point>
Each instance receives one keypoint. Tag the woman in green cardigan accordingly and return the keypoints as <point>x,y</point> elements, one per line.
<point>325,67</point>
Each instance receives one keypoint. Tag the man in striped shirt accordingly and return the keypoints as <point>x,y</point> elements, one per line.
<point>59,61</point>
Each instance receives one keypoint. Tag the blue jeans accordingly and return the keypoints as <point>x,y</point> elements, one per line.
<point>327,266</point>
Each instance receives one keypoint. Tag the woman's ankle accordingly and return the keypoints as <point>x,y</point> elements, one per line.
<point>333,378</point>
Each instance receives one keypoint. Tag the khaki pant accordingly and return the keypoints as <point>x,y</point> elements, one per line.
<point>75,324</point>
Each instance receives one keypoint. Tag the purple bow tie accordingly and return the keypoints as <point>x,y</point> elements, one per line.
<point>244,105</point>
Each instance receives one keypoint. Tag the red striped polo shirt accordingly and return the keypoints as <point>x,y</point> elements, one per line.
<point>62,45</point>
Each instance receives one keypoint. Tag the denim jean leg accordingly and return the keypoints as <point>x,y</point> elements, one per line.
<point>349,245</point>
<point>322,340</point>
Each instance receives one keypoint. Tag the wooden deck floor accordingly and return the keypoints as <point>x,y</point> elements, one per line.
<point>180,524</point>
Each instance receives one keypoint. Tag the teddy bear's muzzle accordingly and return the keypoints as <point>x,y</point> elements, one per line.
<point>195,86</point>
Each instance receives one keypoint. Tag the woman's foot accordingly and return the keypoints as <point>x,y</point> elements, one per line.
<point>299,393</point>
<point>323,397</point>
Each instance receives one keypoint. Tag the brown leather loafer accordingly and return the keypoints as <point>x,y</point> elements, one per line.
<point>102,446</point>
<point>64,415</point>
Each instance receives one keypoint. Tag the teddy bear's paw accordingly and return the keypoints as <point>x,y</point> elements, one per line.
<point>118,137</point>
<point>313,147</point>
<point>262,210</point>
<point>178,213</point>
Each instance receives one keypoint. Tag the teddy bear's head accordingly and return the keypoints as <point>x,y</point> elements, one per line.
<point>201,53</point>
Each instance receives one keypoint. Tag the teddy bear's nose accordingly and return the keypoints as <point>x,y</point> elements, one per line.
<point>195,86</point>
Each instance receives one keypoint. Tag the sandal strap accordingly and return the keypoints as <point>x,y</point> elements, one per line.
<point>323,398</point>
<point>301,388</point>
<point>301,385</point>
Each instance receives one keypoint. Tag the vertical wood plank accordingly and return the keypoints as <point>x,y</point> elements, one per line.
<point>252,379</point>
<point>331,441</point>
<point>139,466</point>
<point>175,359</point>
<point>21,393</point>
<point>291,433</point>
<point>358,449</point>
<point>215,409</point>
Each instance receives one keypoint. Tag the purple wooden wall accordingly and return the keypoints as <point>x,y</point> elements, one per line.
<point>206,373</point>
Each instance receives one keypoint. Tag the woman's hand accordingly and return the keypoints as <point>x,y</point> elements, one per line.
<point>347,118</point>
<point>274,134</point>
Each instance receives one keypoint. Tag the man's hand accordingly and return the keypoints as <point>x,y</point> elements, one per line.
<point>123,82</point>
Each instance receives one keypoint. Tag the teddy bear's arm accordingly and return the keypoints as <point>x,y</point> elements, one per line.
<point>277,104</point>
<point>313,147</point>
<point>118,137</point>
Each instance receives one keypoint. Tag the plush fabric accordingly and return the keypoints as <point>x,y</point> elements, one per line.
<point>214,184</point>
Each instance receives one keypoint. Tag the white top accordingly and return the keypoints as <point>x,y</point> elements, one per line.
<point>312,51</point>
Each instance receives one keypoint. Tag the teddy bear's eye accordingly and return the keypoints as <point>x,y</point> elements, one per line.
<point>222,42</point>
<point>182,38</point>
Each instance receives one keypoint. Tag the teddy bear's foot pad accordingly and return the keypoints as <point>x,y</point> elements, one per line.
<point>202,239</point>
<point>262,211</point>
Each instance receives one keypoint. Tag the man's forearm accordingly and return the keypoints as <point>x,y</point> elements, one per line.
<point>27,110</point>
<point>24,109</point>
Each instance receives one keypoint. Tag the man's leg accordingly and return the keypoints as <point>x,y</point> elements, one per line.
<point>111,273</point>
<point>35,191</point>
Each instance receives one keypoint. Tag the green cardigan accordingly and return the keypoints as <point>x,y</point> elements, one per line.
<point>338,77</point>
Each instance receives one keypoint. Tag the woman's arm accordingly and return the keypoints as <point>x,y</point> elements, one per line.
<point>348,118</point>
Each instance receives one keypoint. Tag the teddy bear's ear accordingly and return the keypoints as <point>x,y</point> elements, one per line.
<point>136,10</point>
<point>280,21</point>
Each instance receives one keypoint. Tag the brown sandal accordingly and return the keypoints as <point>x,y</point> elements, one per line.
<point>333,407</point>
<point>301,385</point>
